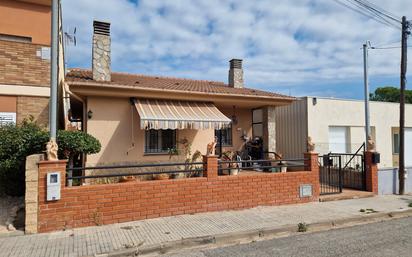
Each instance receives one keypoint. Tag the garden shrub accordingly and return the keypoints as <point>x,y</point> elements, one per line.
<point>19,141</point>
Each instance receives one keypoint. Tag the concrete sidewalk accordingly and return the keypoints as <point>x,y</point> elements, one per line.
<point>186,230</point>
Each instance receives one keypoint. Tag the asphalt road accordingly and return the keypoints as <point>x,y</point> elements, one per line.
<point>390,238</point>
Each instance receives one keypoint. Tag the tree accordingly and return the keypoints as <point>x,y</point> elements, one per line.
<point>72,144</point>
<point>390,94</point>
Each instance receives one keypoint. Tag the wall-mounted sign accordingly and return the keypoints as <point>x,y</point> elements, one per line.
<point>44,53</point>
<point>7,118</point>
<point>305,190</point>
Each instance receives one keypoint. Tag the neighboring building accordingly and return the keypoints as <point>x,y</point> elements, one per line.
<point>24,60</point>
<point>137,118</point>
<point>337,125</point>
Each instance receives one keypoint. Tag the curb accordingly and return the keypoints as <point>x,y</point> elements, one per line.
<point>254,235</point>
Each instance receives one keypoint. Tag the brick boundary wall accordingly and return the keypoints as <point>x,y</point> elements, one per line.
<point>113,203</point>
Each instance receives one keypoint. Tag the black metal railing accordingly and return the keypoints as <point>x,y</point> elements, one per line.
<point>330,175</point>
<point>261,165</point>
<point>362,147</point>
<point>342,170</point>
<point>192,168</point>
<point>353,171</point>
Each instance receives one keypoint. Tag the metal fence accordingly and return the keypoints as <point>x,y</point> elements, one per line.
<point>353,171</point>
<point>124,173</point>
<point>341,170</point>
<point>234,167</point>
<point>330,175</point>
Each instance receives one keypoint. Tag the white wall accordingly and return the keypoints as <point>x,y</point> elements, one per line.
<point>339,112</point>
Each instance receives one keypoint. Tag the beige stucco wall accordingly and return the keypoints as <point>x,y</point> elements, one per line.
<point>243,127</point>
<point>112,125</point>
<point>337,112</point>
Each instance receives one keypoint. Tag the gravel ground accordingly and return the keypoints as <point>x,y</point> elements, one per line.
<point>9,207</point>
<point>386,239</point>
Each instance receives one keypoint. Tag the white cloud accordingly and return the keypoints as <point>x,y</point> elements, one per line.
<point>283,43</point>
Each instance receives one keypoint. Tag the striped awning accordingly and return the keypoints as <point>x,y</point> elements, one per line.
<point>164,114</point>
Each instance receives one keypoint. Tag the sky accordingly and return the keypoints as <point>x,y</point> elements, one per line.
<point>298,48</point>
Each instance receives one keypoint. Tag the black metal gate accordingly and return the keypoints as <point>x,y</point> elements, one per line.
<point>330,174</point>
<point>340,170</point>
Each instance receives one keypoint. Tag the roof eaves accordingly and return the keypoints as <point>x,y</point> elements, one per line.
<point>122,86</point>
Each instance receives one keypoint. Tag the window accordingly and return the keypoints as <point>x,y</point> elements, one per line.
<point>226,136</point>
<point>257,123</point>
<point>159,141</point>
<point>395,143</point>
<point>14,38</point>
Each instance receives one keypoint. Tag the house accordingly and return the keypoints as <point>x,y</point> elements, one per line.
<point>337,125</point>
<point>139,118</point>
<point>24,60</point>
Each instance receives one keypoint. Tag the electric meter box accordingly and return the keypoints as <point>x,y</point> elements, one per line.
<point>53,186</point>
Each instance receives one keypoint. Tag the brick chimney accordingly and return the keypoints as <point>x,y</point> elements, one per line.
<point>101,51</point>
<point>236,73</point>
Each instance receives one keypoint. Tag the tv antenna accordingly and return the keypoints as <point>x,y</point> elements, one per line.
<point>70,37</point>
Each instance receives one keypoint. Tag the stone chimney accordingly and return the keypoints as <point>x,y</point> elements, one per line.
<point>101,51</point>
<point>236,73</point>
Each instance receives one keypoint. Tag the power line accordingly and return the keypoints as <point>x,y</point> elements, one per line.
<point>388,44</point>
<point>375,10</point>
<point>379,8</point>
<point>374,13</point>
<point>389,20</point>
<point>393,47</point>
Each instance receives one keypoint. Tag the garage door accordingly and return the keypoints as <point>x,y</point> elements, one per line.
<point>338,139</point>
<point>408,147</point>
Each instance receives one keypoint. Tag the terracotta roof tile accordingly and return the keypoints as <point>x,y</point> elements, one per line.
<point>168,83</point>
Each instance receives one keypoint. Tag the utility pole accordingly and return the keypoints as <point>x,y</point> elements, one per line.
<point>54,69</point>
<point>366,86</point>
<point>405,33</point>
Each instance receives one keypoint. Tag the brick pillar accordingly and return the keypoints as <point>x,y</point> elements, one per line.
<point>31,198</point>
<point>210,166</point>
<point>312,165</point>
<point>44,168</point>
<point>269,129</point>
<point>311,162</point>
<point>371,173</point>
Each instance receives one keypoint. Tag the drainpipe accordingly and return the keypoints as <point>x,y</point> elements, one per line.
<point>67,89</point>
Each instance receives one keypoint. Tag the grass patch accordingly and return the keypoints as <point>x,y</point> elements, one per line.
<point>367,211</point>
<point>302,227</point>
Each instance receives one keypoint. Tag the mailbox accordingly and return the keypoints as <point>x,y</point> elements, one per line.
<point>376,158</point>
<point>327,161</point>
<point>53,186</point>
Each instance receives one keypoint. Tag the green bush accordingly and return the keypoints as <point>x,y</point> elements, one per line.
<point>72,143</point>
<point>18,142</point>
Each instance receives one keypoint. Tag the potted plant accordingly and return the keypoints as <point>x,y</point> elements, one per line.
<point>229,168</point>
<point>162,176</point>
<point>126,179</point>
